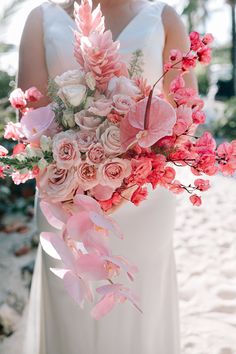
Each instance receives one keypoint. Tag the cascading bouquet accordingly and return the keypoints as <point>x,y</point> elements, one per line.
<point>105,134</point>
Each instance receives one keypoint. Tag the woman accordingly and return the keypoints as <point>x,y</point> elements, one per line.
<point>56,325</point>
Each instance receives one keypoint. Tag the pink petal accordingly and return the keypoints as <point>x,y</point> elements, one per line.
<point>87,203</point>
<point>102,192</point>
<point>106,223</point>
<point>129,295</point>
<point>78,225</point>
<point>123,264</point>
<point>75,288</point>
<point>103,307</point>
<point>45,240</point>
<point>54,245</point>
<point>54,214</point>
<point>91,267</point>
<point>108,289</point>
<point>96,243</point>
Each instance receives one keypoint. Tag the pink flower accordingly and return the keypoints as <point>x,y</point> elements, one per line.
<point>113,172</point>
<point>184,120</point>
<point>3,151</point>
<point>101,107</point>
<point>85,139</point>
<point>87,176</point>
<point>160,123</point>
<point>195,200</point>
<point>17,99</point>
<point>227,153</point>
<point>177,83</point>
<point>114,200</point>
<point>175,55</point>
<point>102,193</point>
<point>19,178</point>
<point>33,94</point>
<point>111,295</point>
<point>13,131</point>
<point>114,117</point>
<point>139,195</point>
<point>205,144</point>
<point>189,97</point>
<point>18,149</point>
<point>208,39</point>
<point>111,141</point>
<point>38,122</point>
<point>202,185</point>
<point>122,86</point>
<point>199,117</point>
<point>122,103</point>
<point>196,42</point>
<point>204,55</point>
<point>57,185</point>
<point>96,154</point>
<point>189,62</point>
<point>176,187</point>
<point>141,168</point>
<point>65,150</point>
<point>87,122</point>
<point>2,172</point>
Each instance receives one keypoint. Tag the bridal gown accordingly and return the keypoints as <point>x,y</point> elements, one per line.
<point>56,324</point>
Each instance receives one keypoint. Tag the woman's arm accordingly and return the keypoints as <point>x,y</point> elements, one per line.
<point>176,38</point>
<point>32,69</point>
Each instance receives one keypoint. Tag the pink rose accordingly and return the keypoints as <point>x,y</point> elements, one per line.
<point>87,122</point>
<point>17,99</point>
<point>122,85</point>
<point>37,123</point>
<point>122,103</point>
<point>96,154</point>
<point>87,176</point>
<point>57,185</point>
<point>65,150</point>
<point>85,138</point>
<point>111,140</point>
<point>33,94</point>
<point>13,131</point>
<point>113,172</point>
<point>101,107</point>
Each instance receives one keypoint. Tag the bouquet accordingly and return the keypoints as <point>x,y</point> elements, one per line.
<point>108,134</point>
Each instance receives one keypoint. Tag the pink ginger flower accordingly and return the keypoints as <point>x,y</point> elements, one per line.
<point>95,50</point>
<point>135,128</point>
<point>111,295</point>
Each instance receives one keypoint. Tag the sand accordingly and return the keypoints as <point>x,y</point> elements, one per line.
<point>205,248</point>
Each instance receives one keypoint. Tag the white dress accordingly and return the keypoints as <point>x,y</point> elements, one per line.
<point>56,325</point>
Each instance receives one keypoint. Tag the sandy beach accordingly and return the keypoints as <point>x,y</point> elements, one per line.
<point>205,248</point>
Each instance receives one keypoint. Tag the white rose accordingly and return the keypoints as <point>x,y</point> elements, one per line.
<point>46,143</point>
<point>71,77</point>
<point>111,140</point>
<point>74,94</point>
<point>122,103</point>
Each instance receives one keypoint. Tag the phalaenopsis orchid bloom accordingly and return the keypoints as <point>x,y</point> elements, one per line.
<point>107,135</point>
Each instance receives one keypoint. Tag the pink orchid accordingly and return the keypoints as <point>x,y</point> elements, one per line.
<point>162,119</point>
<point>37,123</point>
<point>111,295</point>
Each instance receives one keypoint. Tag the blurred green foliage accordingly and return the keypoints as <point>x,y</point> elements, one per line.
<point>225,127</point>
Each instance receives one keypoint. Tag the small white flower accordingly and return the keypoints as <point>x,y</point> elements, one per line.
<point>33,151</point>
<point>46,143</point>
<point>42,164</point>
<point>21,157</point>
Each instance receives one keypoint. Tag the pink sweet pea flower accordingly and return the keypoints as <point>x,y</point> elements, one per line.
<point>162,119</point>
<point>13,131</point>
<point>37,123</point>
<point>33,94</point>
<point>3,151</point>
<point>18,149</point>
<point>19,178</point>
<point>17,99</point>
<point>111,295</point>
<point>204,55</point>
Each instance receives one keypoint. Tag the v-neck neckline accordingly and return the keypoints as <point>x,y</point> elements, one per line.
<point>124,30</point>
